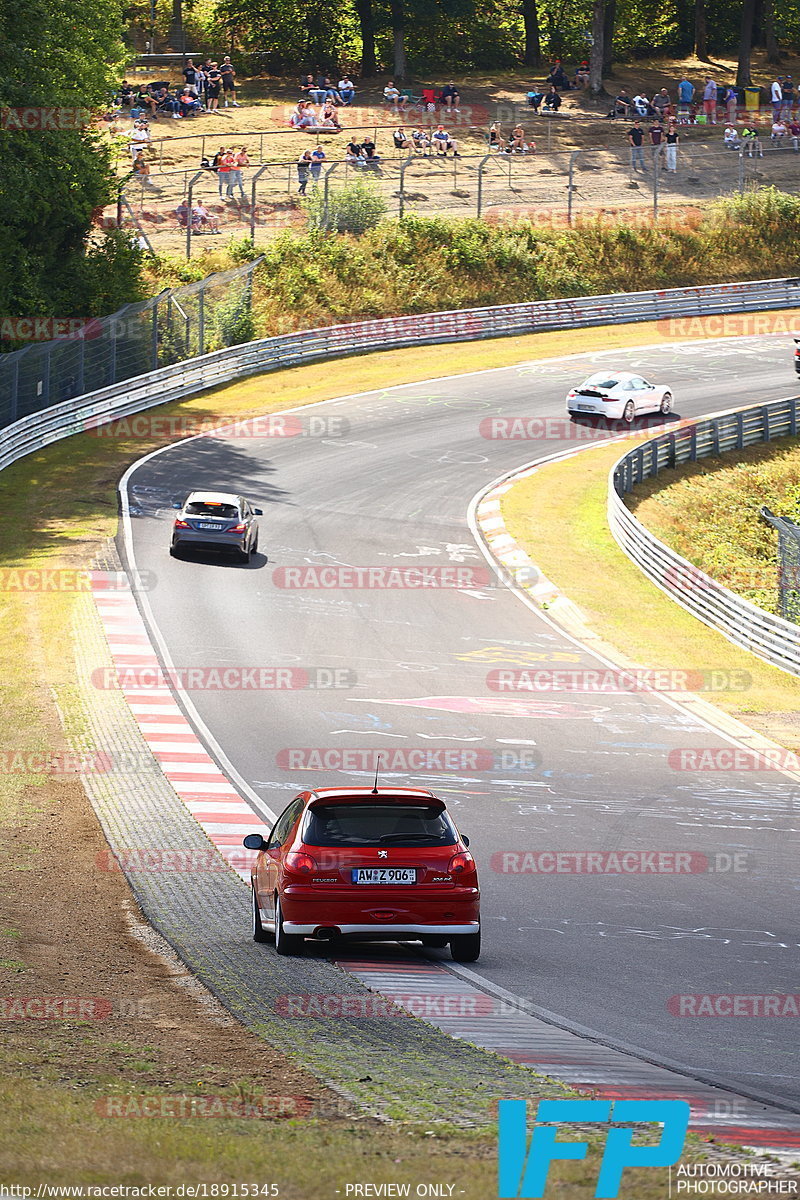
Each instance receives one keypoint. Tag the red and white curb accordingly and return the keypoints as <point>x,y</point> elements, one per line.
<point>207,793</point>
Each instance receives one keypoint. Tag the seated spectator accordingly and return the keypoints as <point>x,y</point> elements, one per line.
<point>182,213</point>
<point>400,139</point>
<point>779,131</point>
<point>449,97</point>
<point>641,105</point>
<point>311,90</point>
<point>534,98</point>
<point>369,153</point>
<point>147,101</point>
<point>190,106</point>
<point>141,169</point>
<point>443,142</point>
<point>662,105</point>
<point>518,143</point>
<point>139,137</point>
<point>125,94</point>
<point>347,90</point>
<point>582,76</point>
<point>304,116</point>
<point>622,104</point>
<point>328,88</point>
<point>730,138</point>
<point>557,76</point>
<point>168,103</point>
<point>794,133</point>
<point>552,101</point>
<point>329,116</point>
<point>496,139</point>
<point>421,140</point>
<point>393,96</point>
<point>202,219</point>
<point>352,153</point>
<point>752,141</point>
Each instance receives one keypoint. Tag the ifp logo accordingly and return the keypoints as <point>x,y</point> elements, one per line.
<point>522,1171</point>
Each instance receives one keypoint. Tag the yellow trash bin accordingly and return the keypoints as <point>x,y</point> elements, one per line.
<point>752,99</point>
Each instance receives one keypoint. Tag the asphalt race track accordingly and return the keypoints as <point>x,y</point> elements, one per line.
<point>386,480</point>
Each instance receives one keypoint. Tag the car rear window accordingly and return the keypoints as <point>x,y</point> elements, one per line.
<point>211,508</point>
<point>378,825</point>
<point>602,381</point>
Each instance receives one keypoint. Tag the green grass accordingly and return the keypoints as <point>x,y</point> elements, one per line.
<point>709,511</point>
<point>558,515</point>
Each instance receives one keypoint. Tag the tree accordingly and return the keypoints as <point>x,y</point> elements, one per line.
<point>608,35</point>
<point>700,30</point>
<point>597,53</point>
<point>366,20</point>
<point>770,41</point>
<point>743,76</point>
<point>397,13</point>
<point>533,45</point>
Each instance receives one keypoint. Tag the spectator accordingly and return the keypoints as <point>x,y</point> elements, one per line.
<point>496,139</point>
<point>303,171</point>
<point>126,94</point>
<point>641,105</point>
<point>794,131</point>
<point>235,175</point>
<point>685,97</point>
<point>450,97</point>
<point>534,98</point>
<point>787,87</point>
<point>228,73</point>
<point>141,169</point>
<point>731,100</point>
<point>146,100</point>
<point>557,78</point>
<point>421,140</point>
<point>326,85</point>
<point>182,213</point>
<point>139,137</point>
<point>635,137</point>
<point>401,141</point>
<point>202,219</point>
<point>656,142</point>
<point>622,104</point>
<point>201,84</point>
<point>329,116</point>
<point>518,144</point>
<point>189,73</point>
<point>671,148</point>
<point>662,105</point>
<point>552,101</point>
<point>752,141</point>
<point>730,138</point>
<point>710,101</point>
<point>444,142</point>
<point>582,76</point>
<point>318,157</point>
<point>776,98</point>
<point>347,90</point>
<point>369,152</point>
<point>311,90</point>
<point>304,116</point>
<point>779,131</point>
<point>214,86</point>
<point>394,97</point>
<point>217,165</point>
<point>189,105</point>
<point>352,153</point>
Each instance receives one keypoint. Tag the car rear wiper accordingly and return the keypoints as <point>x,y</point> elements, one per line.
<point>420,838</point>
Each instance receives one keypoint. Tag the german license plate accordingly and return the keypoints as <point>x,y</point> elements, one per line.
<point>584,407</point>
<point>209,525</point>
<point>390,875</point>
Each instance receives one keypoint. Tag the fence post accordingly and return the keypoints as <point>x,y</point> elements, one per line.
<point>201,320</point>
<point>402,206</point>
<point>741,170</point>
<point>189,191</point>
<point>481,165</point>
<point>154,337</point>
<point>765,423</point>
<point>573,156</point>
<point>656,176</point>
<point>256,178</point>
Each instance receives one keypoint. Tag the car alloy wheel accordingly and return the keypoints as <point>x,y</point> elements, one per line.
<point>629,412</point>
<point>666,403</point>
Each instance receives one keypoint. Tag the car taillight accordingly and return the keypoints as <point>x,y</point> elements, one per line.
<point>460,863</point>
<point>179,524</point>
<point>240,528</point>
<point>299,863</point>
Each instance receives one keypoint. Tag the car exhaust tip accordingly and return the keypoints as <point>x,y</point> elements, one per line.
<point>325,933</point>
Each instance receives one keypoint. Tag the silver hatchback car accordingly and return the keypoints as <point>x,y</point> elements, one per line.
<point>216,521</point>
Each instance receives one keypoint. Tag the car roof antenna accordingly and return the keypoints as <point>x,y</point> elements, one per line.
<point>377,765</point>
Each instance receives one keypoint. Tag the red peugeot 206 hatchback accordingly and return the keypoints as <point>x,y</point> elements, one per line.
<point>366,864</point>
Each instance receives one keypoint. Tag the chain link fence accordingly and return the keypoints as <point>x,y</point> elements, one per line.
<point>789,569</point>
<point>546,189</point>
<point>177,324</point>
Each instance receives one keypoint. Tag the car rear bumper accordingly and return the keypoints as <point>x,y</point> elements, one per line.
<point>220,541</point>
<point>457,908</point>
<point>586,407</point>
<point>377,931</point>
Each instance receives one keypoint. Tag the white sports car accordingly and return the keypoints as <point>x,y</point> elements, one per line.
<point>618,395</point>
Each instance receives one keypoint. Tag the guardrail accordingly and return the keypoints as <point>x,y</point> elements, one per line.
<point>770,637</point>
<point>156,387</point>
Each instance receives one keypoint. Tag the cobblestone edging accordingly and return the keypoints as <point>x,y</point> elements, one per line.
<point>395,1067</point>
